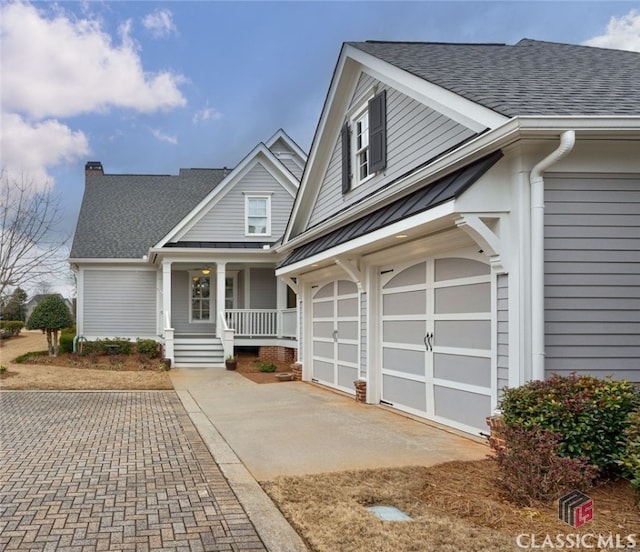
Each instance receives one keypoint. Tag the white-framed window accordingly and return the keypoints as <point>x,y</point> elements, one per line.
<point>258,215</point>
<point>360,146</point>
<point>200,298</point>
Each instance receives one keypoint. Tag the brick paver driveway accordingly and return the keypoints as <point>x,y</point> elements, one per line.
<point>111,471</point>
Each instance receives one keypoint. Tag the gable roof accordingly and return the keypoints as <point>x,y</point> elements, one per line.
<point>122,215</point>
<point>529,78</point>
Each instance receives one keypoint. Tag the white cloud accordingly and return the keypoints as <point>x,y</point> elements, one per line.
<point>164,137</point>
<point>62,67</point>
<point>56,65</point>
<point>160,23</point>
<point>623,33</point>
<point>206,114</point>
<point>28,148</point>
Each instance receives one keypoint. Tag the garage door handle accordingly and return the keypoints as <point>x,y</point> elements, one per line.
<point>335,335</point>
<point>427,341</point>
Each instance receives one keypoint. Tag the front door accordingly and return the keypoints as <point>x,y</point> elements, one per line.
<point>436,340</point>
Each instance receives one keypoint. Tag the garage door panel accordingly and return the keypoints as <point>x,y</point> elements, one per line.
<point>403,360</point>
<point>323,370</point>
<point>324,292</point>
<point>465,334</point>
<point>323,309</point>
<point>346,288</point>
<point>347,353</point>
<point>407,302</point>
<point>454,267</point>
<point>458,299</point>
<point>347,375</point>
<point>323,349</point>
<point>411,332</point>
<point>323,330</point>
<point>462,369</point>
<point>416,274</point>
<point>347,330</point>
<point>463,407</point>
<point>405,392</point>
<point>348,307</point>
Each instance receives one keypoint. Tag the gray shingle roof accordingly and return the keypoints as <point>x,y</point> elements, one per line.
<point>123,215</point>
<point>529,78</point>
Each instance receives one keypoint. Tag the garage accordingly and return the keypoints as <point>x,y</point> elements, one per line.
<point>437,339</point>
<point>335,327</point>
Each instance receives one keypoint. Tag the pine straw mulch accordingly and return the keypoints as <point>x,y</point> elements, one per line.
<point>455,506</point>
<point>248,366</point>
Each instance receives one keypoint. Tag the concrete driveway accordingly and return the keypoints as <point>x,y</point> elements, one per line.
<point>296,428</point>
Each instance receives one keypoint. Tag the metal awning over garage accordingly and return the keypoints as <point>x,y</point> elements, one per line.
<point>441,191</point>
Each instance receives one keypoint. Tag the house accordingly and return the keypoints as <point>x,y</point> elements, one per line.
<point>188,259</point>
<point>469,219</point>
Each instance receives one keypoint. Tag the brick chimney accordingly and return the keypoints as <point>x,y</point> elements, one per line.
<point>93,168</point>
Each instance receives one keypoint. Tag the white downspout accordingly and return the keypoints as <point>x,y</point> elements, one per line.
<point>567,141</point>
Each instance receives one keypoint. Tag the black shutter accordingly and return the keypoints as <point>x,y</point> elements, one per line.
<point>378,132</point>
<point>346,159</point>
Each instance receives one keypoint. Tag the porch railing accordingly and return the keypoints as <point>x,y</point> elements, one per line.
<point>262,322</point>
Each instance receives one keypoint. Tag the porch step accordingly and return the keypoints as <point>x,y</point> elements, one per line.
<point>198,352</point>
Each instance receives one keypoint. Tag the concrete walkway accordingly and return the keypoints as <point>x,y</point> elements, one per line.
<point>261,431</point>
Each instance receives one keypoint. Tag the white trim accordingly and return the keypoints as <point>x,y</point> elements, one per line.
<point>440,211</point>
<point>281,134</point>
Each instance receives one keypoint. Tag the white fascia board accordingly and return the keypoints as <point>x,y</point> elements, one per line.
<point>103,261</point>
<point>281,134</point>
<point>463,111</point>
<point>341,89</point>
<point>197,255</point>
<point>260,153</point>
<point>430,215</point>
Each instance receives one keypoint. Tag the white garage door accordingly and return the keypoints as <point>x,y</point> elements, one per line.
<point>436,340</point>
<point>335,335</point>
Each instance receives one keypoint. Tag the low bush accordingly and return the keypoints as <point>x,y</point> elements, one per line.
<point>266,366</point>
<point>148,347</point>
<point>532,471</point>
<point>10,328</point>
<point>28,357</point>
<point>115,346</point>
<point>66,342</point>
<point>629,457</point>
<point>589,414</point>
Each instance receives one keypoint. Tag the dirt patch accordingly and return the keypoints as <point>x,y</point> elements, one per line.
<point>454,506</point>
<point>248,366</point>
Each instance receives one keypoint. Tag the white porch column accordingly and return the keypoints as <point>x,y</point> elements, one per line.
<point>220,296</point>
<point>168,331</point>
<point>281,304</point>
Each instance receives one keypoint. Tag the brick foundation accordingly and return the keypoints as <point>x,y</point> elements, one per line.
<point>296,370</point>
<point>361,390</point>
<point>277,353</point>
<point>496,427</point>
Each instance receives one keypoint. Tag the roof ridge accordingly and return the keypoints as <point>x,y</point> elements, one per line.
<point>433,43</point>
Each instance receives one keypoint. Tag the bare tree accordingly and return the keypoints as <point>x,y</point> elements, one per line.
<point>30,246</point>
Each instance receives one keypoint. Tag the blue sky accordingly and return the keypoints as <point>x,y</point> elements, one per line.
<point>148,87</point>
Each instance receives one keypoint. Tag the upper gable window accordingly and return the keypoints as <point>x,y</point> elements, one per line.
<point>364,142</point>
<point>258,215</point>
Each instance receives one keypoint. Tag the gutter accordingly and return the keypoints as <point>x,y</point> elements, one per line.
<point>567,141</point>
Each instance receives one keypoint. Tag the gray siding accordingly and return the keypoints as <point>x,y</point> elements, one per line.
<point>119,303</point>
<point>226,219</point>
<point>180,297</point>
<point>503,331</point>
<point>415,134</point>
<point>285,154</point>
<point>363,335</point>
<point>592,275</point>
<point>262,288</point>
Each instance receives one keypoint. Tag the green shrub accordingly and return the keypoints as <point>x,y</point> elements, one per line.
<point>629,457</point>
<point>115,346</point>
<point>266,366</point>
<point>148,347</point>
<point>96,347</point>
<point>533,471</point>
<point>66,342</point>
<point>589,413</point>
<point>10,328</point>
<point>3,369</point>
